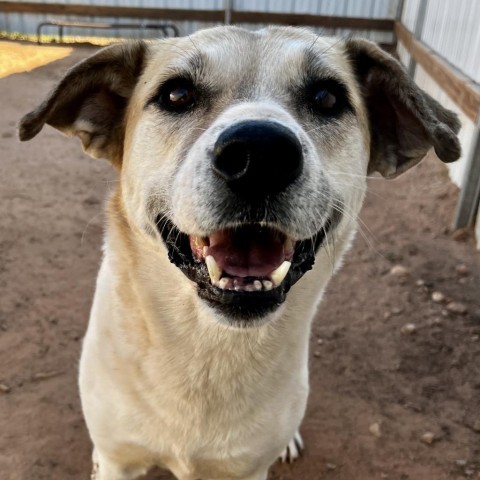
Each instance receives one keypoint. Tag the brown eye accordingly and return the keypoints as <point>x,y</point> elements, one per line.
<point>324,100</point>
<point>327,98</point>
<point>178,95</point>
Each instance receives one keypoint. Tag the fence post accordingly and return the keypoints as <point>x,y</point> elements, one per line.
<point>228,11</point>
<point>469,196</point>
<point>400,7</point>
<point>417,33</point>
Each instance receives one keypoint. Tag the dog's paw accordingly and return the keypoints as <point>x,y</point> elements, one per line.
<point>93,475</point>
<point>293,450</point>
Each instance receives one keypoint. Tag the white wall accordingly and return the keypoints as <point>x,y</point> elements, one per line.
<point>452,30</point>
<point>27,23</point>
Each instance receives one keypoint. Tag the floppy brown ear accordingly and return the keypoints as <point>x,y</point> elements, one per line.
<point>405,122</point>
<point>91,99</point>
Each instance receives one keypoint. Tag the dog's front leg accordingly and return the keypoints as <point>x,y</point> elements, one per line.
<point>105,469</point>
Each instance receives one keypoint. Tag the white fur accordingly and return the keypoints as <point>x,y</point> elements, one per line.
<point>163,379</point>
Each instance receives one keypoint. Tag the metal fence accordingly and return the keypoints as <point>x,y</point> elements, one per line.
<point>451,29</point>
<point>27,23</point>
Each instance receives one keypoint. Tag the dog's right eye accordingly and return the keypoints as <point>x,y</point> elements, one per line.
<point>177,95</point>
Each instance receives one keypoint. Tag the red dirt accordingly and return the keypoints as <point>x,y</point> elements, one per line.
<point>364,370</point>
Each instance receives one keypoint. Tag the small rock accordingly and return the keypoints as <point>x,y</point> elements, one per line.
<point>91,200</point>
<point>469,472</point>
<point>461,463</point>
<point>4,388</point>
<point>46,375</point>
<point>331,466</point>
<point>462,269</point>
<point>387,315</point>
<point>436,322</point>
<point>320,341</point>
<point>412,250</point>
<point>409,329</point>
<point>461,235</point>
<point>399,271</point>
<point>463,280</point>
<point>420,283</point>
<point>428,438</point>
<point>438,297</point>
<point>457,308</point>
<point>475,338</point>
<point>316,354</point>
<point>374,429</point>
<point>475,426</point>
<point>397,310</point>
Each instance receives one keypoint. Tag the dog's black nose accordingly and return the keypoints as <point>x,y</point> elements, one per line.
<point>258,158</point>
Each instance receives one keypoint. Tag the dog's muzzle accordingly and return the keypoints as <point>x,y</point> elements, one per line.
<point>247,269</point>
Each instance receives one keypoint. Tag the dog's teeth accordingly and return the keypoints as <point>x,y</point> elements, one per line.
<point>280,273</point>
<point>222,283</point>
<point>249,288</point>
<point>257,284</point>
<point>213,269</point>
<point>205,250</point>
<point>267,285</point>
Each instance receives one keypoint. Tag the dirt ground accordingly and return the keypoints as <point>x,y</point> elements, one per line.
<point>378,384</point>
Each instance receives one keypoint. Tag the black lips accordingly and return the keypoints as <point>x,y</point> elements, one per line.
<point>240,308</point>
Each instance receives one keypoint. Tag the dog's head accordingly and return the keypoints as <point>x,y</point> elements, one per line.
<point>245,153</point>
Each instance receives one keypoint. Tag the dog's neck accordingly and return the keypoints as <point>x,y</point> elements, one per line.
<point>159,311</point>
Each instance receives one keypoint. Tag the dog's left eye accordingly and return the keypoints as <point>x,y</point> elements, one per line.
<point>324,100</point>
<point>327,98</point>
<point>177,95</point>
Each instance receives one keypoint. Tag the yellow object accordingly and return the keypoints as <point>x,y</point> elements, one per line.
<point>17,57</point>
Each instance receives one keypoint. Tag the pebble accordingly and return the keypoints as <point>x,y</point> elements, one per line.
<point>457,308</point>
<point>399,271</point>
<point>320,341</point>
<point>461,463</point>
<point>428,438</point>
<point>409,328</point>
<point>331,466</point>
<point>316,354</point>
<point>4,388</point>
<point>375,429</point>
<point>397,310</point>
<point>476,426</point>
<point>436,322</point>
<point>420,283</point>
<point>462,269</point>
<point>438,297</point>
<point>91,200</point>
<point>461,235</point>
<point>46,375</point>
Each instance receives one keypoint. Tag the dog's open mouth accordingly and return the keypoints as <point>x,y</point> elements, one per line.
<point>245,271</point>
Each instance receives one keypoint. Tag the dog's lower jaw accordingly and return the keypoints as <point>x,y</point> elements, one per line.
<point>160,377</point>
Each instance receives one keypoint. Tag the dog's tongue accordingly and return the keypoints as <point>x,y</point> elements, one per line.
<point>250,251</point>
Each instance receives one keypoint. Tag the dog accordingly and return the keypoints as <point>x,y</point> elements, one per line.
<point>242,160</point>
